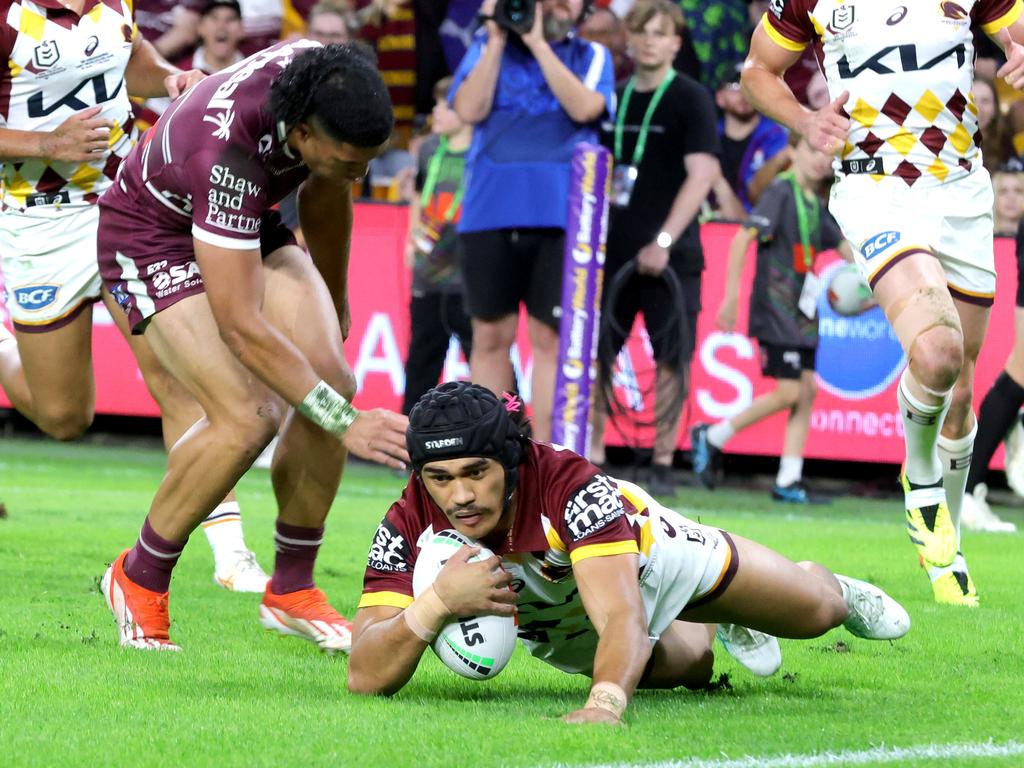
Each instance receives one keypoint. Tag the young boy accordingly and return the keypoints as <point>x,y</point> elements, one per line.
<point>791,226</point>
<point>435,309</point>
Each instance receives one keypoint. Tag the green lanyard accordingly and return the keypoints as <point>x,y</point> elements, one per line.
<point>620,119</point>
<point>433,171</point>
<point>806,223</point>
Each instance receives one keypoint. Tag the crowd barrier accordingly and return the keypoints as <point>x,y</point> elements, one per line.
<point>859,360</point>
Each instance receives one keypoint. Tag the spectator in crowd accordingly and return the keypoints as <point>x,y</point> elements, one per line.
<point>665,145</point>
<point>532,99</point>
<point>749,139</point>
<point>171,26</point>
<point>329,23</point>
<point>999,414</point>
<point>1009,202</point>
<point>604,27</point>
<point>390,27</point>
<point>790,226</point>
<point>261,20</point>
<point>436,312</point>
<point>220,33</point>
<point>996,133</point>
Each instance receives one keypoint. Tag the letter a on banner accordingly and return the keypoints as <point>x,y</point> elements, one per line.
<point>582,278</point>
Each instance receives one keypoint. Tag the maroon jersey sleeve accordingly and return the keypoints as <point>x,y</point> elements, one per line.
<point>229,196</point>
<point>582,505</point>
<point>994,15</point>
<point>392,557</point>
<point>788,23</point>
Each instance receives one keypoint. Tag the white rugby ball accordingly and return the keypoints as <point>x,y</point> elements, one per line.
<point>477,647</point>
<point>848,294</point>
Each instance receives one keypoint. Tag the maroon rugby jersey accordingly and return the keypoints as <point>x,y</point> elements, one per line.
<point>216,161</point>
<point>566,511</point>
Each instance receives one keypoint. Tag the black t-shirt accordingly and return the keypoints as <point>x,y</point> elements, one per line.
<point>775,317</point>
<point>683,124</point>
<point>733,151</point>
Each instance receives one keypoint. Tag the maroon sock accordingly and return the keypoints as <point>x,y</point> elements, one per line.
<point>296,549</point>
<point>151,560</point>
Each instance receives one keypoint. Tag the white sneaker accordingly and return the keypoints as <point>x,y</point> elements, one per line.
<point>873,614</point>
<point>977,515</point>
<point>758,652</point>
<point>239,572</point>
<point>1015,457</point>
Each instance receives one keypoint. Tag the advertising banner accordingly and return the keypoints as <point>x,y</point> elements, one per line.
<point>859,360</point>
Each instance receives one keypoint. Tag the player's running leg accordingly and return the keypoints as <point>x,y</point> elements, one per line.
<point>772,594</point>
<point>235,566</point>
<point>911,289</point>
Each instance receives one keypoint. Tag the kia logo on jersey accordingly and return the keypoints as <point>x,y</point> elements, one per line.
<point>46,54</point>
<point>92,45</point>
<point>952,11</point>
<point>32,298</point>
<point>897,16</point>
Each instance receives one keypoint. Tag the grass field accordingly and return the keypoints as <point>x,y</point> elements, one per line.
<point>239,696</point>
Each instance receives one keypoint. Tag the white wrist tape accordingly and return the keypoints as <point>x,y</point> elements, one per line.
<point>326,408</point>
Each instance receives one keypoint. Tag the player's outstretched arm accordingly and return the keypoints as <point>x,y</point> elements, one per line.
<point>233,280</point>
<point>826,129</point>
<point>387,642</point>
<point>325,215</point>
<point>611,596</point>
<point>149,74</point>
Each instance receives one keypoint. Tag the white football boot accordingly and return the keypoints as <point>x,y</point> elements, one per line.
<point>757,651</point>
<point>873,614</point>
<point>239,572</point>
<point>977,515</point>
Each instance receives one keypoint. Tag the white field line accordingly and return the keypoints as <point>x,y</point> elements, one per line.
<point>874,756</point>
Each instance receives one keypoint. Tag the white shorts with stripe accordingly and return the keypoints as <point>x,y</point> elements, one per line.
<point>886,220</point>
<point>49,264</point>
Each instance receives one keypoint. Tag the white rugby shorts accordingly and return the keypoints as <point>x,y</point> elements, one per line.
<point>884,220</point>
<point>49,264</point>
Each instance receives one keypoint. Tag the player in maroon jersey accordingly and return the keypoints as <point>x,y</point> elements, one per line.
<point>607,582</point>
<point>246,320</point>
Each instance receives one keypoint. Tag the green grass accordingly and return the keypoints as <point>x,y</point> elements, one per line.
<point>240,696</point>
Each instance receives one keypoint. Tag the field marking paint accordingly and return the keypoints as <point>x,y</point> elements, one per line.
<point>872,756</point>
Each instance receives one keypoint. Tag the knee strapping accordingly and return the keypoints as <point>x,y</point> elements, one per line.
<point>920,311</point>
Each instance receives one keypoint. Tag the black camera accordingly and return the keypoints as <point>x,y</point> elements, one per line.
<point>515,15</point>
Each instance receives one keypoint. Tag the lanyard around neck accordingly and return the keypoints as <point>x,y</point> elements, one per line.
<point>645,125</point>
<point>807,221</point>
<point>433,171</point>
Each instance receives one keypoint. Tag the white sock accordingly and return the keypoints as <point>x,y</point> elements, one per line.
<point>959,565</point>
<point>791,469</point>
<point>721,433</point>
<point>223,529</point>
<point>921,424</point>
<point>956,463</point>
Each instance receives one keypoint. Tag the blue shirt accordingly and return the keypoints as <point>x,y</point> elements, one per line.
<point>517,169</point>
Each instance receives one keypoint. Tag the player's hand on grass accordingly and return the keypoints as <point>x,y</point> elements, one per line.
<point>826,129</point>
<point>1013,70</point>
<point>652,260</point>
<point>82,138</point>
<point>468,588</point>
<point>726,319</point>
<point>592,715</point>
<point>378,435</point>
<point>178,83</point>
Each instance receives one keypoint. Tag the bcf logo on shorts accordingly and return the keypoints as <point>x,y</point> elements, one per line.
<point>875,245</point>
<point>33,298</point>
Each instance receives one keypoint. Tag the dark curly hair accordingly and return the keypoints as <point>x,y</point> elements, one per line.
<point>340,86</point>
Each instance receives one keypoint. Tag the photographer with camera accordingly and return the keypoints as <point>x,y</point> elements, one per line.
<point>533,90</point>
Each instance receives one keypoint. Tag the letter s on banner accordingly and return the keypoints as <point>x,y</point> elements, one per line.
<point>716,369</point>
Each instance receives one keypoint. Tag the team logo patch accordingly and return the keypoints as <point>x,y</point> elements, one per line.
<point>592,507</point>
<point>389,551</point>
<point>952,11</point>
<point>46,54</point>
<point>842,19</point>
<point>33,298</point>
<point>777,7</point>
<point>879,243</point>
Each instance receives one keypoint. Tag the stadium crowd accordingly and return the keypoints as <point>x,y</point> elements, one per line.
<point>472,122</point>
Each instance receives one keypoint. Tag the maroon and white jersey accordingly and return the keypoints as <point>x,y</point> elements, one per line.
<point>216,161</point>
<point>909,68</point>
<point>567,511</point>
<point>57,64</point>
